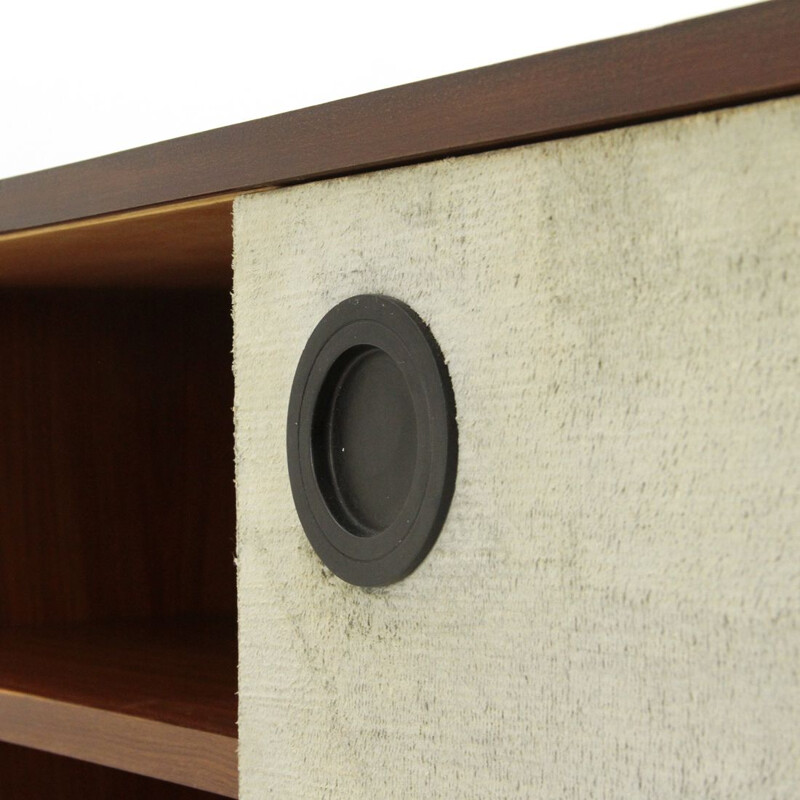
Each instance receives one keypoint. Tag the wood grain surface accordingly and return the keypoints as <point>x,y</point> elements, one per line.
<point>182,244</point>
<point>734,57</point>
<point>154,699</point>
<point>116,455</point>
<point>179,673</point>
<point>33,774</point>
<point>179,755</point>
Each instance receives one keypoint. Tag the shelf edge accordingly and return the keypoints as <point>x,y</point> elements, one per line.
<point>205,761</point>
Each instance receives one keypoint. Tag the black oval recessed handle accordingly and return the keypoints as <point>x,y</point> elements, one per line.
<point>372,441</point>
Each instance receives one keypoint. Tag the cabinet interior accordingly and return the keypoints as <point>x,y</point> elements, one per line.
<point>117,517</point>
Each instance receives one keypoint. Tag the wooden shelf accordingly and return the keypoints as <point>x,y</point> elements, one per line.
<point>157,700</point>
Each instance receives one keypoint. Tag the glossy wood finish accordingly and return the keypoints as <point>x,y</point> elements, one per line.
<point>178,755</point>
<point>116,455</point>
<point>33,774</point>
<point>734,57</point>
<point>155,700</point>
<point>181,673</point>
<point>185,244</point>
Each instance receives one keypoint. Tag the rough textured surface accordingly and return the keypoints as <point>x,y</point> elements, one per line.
<point>613,607</point>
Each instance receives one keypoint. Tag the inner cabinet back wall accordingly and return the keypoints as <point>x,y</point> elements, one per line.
<point>116,481</point>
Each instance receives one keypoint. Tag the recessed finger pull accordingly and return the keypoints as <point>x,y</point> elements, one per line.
<point>372,442</point>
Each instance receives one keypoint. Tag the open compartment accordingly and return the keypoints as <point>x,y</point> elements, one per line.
<point>117,530</point>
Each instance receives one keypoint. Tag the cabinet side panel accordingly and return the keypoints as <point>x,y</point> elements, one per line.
<point>613,606</point>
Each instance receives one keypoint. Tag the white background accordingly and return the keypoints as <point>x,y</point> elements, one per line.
<point>79,79</point>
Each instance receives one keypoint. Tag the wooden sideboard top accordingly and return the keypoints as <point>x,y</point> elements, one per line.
<point>738,56</point>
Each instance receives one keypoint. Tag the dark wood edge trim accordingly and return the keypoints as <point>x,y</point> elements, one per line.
<point>188,757</point>
<point>737,56</point>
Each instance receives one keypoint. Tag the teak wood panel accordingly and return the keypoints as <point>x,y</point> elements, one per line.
<point>724,59</point>
<point>184,244</point>
<point>159,700</point>
<point>32,774</point>
<point>116,455</point>
<point>180,673</point>
<point>178,755</point>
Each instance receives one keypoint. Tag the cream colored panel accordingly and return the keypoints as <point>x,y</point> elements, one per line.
<point>613,607</point>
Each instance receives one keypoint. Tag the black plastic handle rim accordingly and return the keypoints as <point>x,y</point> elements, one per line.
<point>372,440</point>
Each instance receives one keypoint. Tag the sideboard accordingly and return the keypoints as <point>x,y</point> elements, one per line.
<point>604,242</point>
